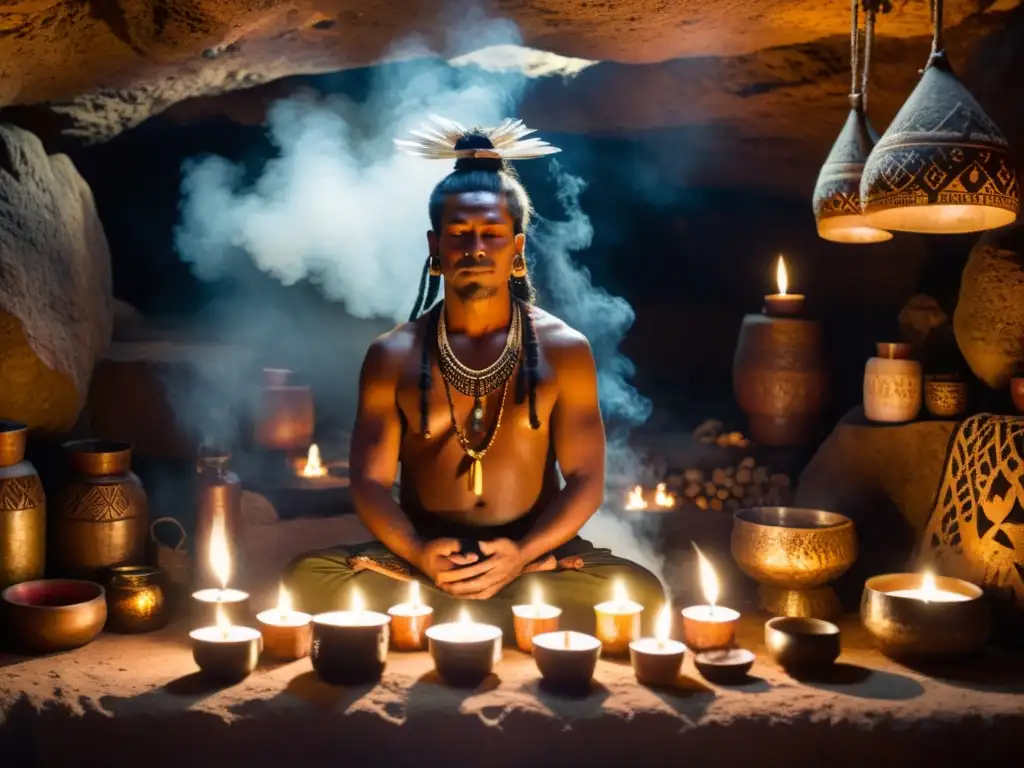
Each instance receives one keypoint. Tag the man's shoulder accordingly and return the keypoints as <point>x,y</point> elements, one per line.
<point>556,335</point>
<point>393,348</point>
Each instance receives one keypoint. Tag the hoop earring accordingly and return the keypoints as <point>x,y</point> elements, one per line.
<point>435,267</point>
<point>519,266</point>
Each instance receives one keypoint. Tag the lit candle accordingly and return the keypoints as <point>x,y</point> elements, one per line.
<point>410,620</point>
<point>534,619</point>
<point>783,303</point>
<point>287,634</point>
<point>566,659</point>
<point>929,593</point>
<point>618,621</point>
<point>350,647</point>
<point>464,652</point>
<point>225,652</point>
<point>209,603</point>
<point>708,626</point>
<point>657,660</point>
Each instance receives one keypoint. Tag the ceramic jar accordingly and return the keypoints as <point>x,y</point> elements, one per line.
<point>945,398</point>
<point>136,599</point>
<point>102,518</point>
<point>779,378</point>
<point>892,384</point>
<point>284,421</point>
<point>22,510</point>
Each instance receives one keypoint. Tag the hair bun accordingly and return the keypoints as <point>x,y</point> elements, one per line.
<point>489,164</point>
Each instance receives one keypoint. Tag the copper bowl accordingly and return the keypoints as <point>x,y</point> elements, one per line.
<point>801,645</point>
<point>945,398</point>
<point>1017,392</point>
<point>903,626</point>
<point>13,438</point>
<point>51,615</point>
<point>793,547</point>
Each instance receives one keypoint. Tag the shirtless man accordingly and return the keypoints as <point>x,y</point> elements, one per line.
<point>482,400</point>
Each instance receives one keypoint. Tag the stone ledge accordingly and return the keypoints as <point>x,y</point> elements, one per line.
<point>126,699</point>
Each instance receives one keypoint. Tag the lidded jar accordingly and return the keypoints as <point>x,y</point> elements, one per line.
<point>892,384</point>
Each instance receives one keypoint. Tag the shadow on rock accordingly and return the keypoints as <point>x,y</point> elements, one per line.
<point>992,670</point>
<point>864,683</point>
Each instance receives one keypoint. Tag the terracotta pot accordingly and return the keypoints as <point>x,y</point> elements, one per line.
<point>102,518</point>
<point>285,418</point>
<point>219,501</point>
<point>1017,392</point>
<point>22,510</point>
<point>892,385</point>
<point>779,378</point>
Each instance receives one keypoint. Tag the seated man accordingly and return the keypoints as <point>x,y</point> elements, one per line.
<point>477,399</point>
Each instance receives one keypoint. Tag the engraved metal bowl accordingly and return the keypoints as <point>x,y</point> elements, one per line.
<point>793,547</point>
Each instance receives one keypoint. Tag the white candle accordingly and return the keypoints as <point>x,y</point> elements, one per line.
<point>224,631</point>
<point>710,613</point>
<point>284,615</point>
<point>566,641</point>
<point>537,609</point>
<point>356,616</point>
<point>414,606</point>
<point>661,643</point>
<point>929,593</point>
<point>464,631</point>
<point>220,595</point>
<point>620,604</point>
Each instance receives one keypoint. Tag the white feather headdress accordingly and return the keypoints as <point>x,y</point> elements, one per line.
<point>437,141</point>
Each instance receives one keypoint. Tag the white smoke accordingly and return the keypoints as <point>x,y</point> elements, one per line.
<point>340,207</point>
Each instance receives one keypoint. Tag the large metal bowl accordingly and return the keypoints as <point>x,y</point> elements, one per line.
<point>51,615</point>
<point>793,547</point>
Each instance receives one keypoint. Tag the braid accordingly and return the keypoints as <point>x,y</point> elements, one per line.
<point>429,332</point>
<point>418,306</point>
<point>530,368</point>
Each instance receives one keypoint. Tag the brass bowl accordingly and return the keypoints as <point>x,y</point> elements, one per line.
<point>801,645</point>
<point>905,627</point>
<point>793,553</point>
<point>945,399</point>
<point>52,615</point>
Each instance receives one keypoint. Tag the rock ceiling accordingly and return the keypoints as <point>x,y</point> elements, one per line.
<point>772,71</point>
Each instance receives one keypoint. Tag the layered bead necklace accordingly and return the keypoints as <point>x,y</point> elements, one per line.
<point>478,385</point>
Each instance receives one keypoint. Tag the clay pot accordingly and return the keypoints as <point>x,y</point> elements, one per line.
<point>892,385</point>
<point>102,517</point>
<point>779,378</point>
<point>1017,392</point>
<point>285,418</point>
<point>22,510</point>
<point>219,501</point>
<point>945,398</point>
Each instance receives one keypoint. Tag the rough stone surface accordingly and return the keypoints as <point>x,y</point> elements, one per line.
<point>884,478</point>
<point>56,315</point>
<point>767,78</point>
<point>989,317</point>
<point>123,699</point>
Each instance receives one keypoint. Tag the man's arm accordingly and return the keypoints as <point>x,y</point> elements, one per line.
<point>579,441</point>
<point>376,440</point>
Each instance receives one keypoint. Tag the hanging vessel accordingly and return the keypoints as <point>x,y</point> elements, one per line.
<point>892,385</point>
<point>942,167</point>
<point>102,518</point>
<point>22,510</point>
<point>284,421</point>
<point>836,199</point>
<point>779,378</point>
<point>218,502</point>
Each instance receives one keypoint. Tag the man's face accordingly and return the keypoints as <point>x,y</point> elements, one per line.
<point>476,244</point>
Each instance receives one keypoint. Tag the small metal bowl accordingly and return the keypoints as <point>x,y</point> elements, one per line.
<point>906,627</point>
<point>52,615</point>
<point>801,645</point>
<point>945,398</point>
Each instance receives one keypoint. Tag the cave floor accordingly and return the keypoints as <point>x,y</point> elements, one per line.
<point>126,699</point>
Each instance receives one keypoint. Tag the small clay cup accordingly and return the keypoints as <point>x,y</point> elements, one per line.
<point>945,398</point>
<point>725,666</point>
<point>801,645</point>
<point>569,669</point>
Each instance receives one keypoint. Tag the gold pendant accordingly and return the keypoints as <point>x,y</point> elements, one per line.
<point>476,477</point>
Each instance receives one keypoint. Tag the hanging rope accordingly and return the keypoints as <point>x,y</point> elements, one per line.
<point>869,36</point>
<point>854,45</point>
<point>937,21</point>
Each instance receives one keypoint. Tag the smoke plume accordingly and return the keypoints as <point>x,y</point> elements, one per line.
<point>339,207</point>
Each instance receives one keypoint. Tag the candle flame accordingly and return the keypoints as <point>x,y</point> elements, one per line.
<point>663,627</point>
<point>223,622</point>
<point>314,466</point>
<point>928,588</point>
<point>464,619</point>
<point>284,601</point>
<point>663,498</point>
<point>635,498</point>
<point>357,601</point>
<point>708,579</point>
<point>619,592</point>
<point>781,276</point>
<point>538,597</point>
<point>220,556</point>
<point>414,594</point>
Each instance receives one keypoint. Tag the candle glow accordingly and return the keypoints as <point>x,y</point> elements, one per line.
<point>284,603</point>
<point>414,594</point>
<point>781,276</point>
<point>663,626</point>
<point>314,466</point>
<point>357,601</point>
<point>220,555</point>
<point>708,580</point>
<point>223,623</point>
<point>928,592</point>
